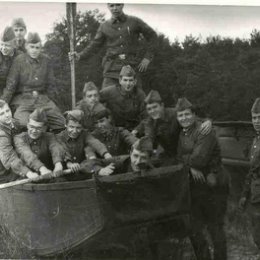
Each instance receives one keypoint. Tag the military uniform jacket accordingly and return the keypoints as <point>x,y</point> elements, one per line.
<point>117,140</point>
<point>164,131</point>
<point>127,109</point>
<point>82,147</point>
<point>122,36</point>
<point>9,159</point>
<point>45,151</point>
<point>27,75</point>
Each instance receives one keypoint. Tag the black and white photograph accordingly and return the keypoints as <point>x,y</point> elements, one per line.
<point>130,131</point>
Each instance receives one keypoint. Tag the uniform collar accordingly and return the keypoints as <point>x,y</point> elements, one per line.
<point>31,60</point>
<point>188,131</point>
<point>126,94</point>
<point>8,128</point>
<point>120,19</point>
<point>68,138</point>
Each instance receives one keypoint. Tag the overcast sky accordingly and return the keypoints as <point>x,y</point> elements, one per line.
<point>175,21</point>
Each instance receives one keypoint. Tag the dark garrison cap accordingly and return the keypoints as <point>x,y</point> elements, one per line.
<point>39,115</point>
<point>18,22</point>
<point>100,112</point>
<point>144,144</point>
<point>182,104</point>
<point>88,86</point>
<point>256,106</point>
<point>75,115</point>
<point>127,71</point>
<point>8,34</point>
<point>33,38</point>
<point>153,97</point>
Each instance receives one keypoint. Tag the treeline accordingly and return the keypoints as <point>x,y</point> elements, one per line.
<point>221,76</point>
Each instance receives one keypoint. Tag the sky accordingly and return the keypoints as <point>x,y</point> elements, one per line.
<point>175,21</point>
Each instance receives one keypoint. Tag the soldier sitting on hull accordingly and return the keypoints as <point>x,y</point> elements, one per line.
<point>20,31</point>
<point>80,146</point>
<point>11,166</point>
<point>251,191</point>
<point>117,139</point>
<point>208,183</point>
<point>29,83</point>
<point>39,150</point>
<point>89,104</point>
<point>125,101</point>
<point>8,52</point>
<point>162,126</point>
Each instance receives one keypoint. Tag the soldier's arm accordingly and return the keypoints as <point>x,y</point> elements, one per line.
<point>247,184</point>
<point>127,137</point>
<point>96,145</point>
<point>27,155</point>
<point>12,81</point>
<point>57,150</point>
<point>94,45</point>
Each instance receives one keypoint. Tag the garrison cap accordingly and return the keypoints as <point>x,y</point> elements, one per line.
<point>256,106</point>
<point>88,86</point>
<point>100,112</point>
<point>33,38</point>
<point>144,144</point>
<point>182,104</point>
<point>153,97</point>
<point>18,22</point>
<point>75,115</point>
<point>8,34</point>
<point>127,71</point>
<point>39,115</point>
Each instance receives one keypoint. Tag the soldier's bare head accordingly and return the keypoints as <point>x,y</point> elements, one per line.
<point>33,45</point>
<point>90,94</point>
<point>127,78</point>
<point>74,123</point>
<point>5,113</point>
<point>7,41</point>
<point>185,113</point>
<point>37,124</point>
<point>116,9</point>
<point>19,28</point>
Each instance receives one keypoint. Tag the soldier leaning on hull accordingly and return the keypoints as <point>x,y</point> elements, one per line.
<point>251,190</point>
<point>20,31</point>
<point>80,146</point>
<point>208,183</point>
<point>124,100</point>
<point>8,52</point>
<point>29,83</point>
<point>120,35</point>
<point>39,150</point>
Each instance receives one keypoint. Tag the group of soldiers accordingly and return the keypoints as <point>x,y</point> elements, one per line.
<point>117,120</point>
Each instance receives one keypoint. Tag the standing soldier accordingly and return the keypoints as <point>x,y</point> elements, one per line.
<point>251,189</point>
<point>19,28</point>
<point>11,166</point>
<point>125,100</point>
<point>7,55</point>
<point>40,150</point>
<point>121,36</point>
<point>29,83</point>
<point>80,145</point>
<point>209,186</point>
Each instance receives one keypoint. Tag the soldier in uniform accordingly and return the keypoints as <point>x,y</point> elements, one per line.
<point>11,166</point>
<point>125,100</point>
<point>40,150</point>
<point>8,52</point>
<point>29,83</point>
<point>89,104</point>
<point>251,191</point>
<point>20,31</point>
<point>80,145</point>
<point>121,36</point>
<point>208,183</point>
<point>117,139</point>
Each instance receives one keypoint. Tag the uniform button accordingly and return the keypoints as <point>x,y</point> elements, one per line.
<point>74,158</point>
<point>36,78</point>
<point>254,146</point>
<point>120,36</point>
<point>121,46</point>
<point>34,142</point>
<point>119,28</point>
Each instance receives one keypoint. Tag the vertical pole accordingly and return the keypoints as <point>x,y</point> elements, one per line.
<point>71,12</point>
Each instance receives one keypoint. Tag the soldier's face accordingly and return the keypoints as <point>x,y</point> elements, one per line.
<point>5,115</point>
<point>91,97</point>
<point>7,48</point>
<point>34,49</point>
<point>115,9</point>
<point>74,129</point>
<point>155,110</point>
<point>35,129</point>
<point>139,159</point>
<point>186,118</point>
<point>256,121</point>
<point>127,83</point>
<point>19,32</point>
<point>103,124</point>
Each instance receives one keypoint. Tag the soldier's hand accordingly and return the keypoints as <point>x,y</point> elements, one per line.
<point>197,175</point>
<point>43,170</point>
<point>58,169</point>
<point>108,170</point>
<point>144,65</point>
<point>242,204</point>
<point>75,167</point>
<point>134,132</point>
<point>206,127</point>
<point>107,156</point>
<point>73,55</point>
<point>32,175</point>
